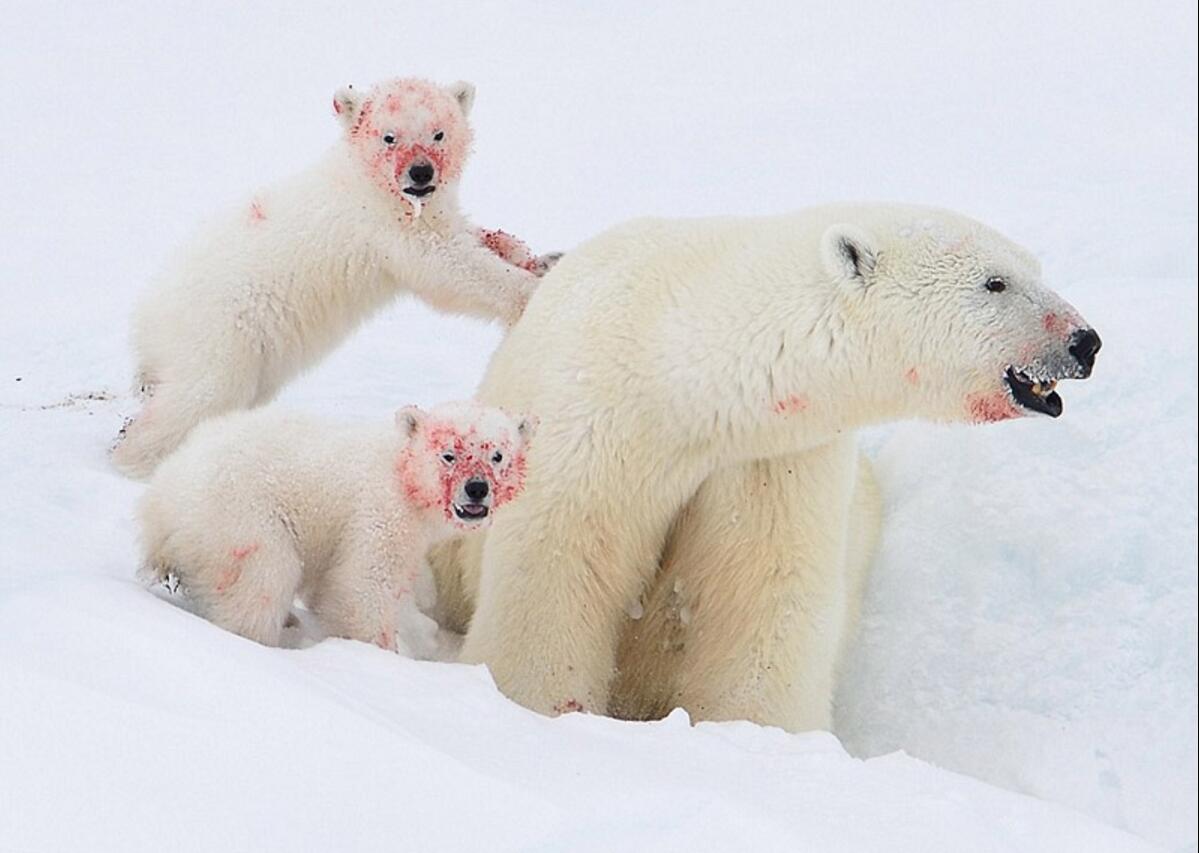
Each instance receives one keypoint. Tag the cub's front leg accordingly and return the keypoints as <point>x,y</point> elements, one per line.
<point>459,275</point>
<point>516,252</point>
<point>358,596</point>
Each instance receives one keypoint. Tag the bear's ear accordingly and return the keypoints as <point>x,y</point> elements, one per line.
<point>849,252</point>
<point>464,94</point>
<point>527,427</point>
<point>346,105</point>
<point>409,419</point>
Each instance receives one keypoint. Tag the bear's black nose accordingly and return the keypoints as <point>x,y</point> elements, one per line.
<point>476,490</point>
<point>1083,345</point>
<point>420,174</point>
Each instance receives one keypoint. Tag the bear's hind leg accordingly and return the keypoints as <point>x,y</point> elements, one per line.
<point>248,588</point>
<point>169,413</point>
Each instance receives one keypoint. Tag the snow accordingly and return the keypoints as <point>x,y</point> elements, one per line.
<point>1029,635</point>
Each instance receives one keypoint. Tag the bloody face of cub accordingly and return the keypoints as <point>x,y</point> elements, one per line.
<point>411,135</point>
<point>462,460</point>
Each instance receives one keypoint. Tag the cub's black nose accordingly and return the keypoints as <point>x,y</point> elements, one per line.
<point>420,174</point>
<point>476,490</point>
<point>1083,345</point>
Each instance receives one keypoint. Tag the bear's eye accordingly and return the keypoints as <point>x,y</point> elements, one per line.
<point>498,458</point>
<point>389,139</point>
<point>448,458</point>
<point>996,285</point>
<point>438,136</point>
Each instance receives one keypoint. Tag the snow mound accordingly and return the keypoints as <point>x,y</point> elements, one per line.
<point>132,725</point>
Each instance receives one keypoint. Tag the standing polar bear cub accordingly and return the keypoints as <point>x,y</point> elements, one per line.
<point>258,507</point>
<point>697,520</point>
<point>269,289</point>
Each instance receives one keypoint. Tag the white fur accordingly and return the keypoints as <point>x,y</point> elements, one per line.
<point>697,520</point>
<point>258,507</point>
<point>268,289</point>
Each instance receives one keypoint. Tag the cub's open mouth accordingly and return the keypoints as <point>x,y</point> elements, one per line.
<point>471,512</point>
<point>419,192</point>
<point>1035,395</point>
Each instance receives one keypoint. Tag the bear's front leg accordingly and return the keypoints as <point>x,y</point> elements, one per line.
<point>357,596</point>
<point>756,595</point>
<point>459,275</point>
<point>560,567</point>
<point>516,252</point>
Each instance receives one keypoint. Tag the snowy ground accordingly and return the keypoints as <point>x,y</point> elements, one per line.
<point>1031,621</point>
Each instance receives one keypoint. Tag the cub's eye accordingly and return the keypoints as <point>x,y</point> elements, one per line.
<point>448,458</point>
<point>438,136</point>
<point>389,139</point>
<point>996,285</point>
<point>498,458</point>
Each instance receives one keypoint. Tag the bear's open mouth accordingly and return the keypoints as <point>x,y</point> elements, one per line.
<point>1037,395</point>
<point>419,192</point>
<point>471,512</point>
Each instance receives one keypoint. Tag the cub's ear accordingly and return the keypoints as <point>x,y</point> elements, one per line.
<point>527,428</point>
<point>347,103</point>
<point>464,94</point>
<point>849,253</point>
<point>410,419</point>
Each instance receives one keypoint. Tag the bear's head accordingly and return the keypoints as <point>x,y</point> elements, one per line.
<point>955,315</point>
<point>461,460</point>
<point>411,136</point>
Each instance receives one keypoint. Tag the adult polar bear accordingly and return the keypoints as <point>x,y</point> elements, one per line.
<point>696,519</point>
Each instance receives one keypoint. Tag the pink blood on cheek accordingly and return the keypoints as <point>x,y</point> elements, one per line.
<point>411,480</point>
<point>990,408</point>
<point>1056,325</point>
<point>512,482</point>
<point>791,405</point>
<point>439,438</point>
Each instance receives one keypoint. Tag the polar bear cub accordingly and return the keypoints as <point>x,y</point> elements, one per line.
<point>257,508</point>
<point>271,287</point>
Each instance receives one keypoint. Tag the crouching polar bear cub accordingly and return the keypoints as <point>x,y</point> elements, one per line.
<point>266,291</point>
<point>697,520</point>
<point>258,507</point>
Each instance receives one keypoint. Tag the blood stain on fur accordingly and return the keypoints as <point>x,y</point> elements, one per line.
<point>1056,325</point>
<point>244,551</point>
<point>792,404</point>
<point>227,578</point>
<point>990,408</point>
